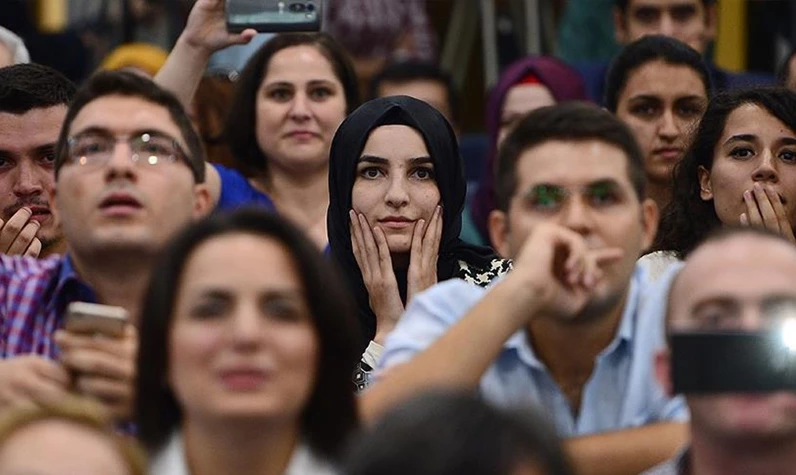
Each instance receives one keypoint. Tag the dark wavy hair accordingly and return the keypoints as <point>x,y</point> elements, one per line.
<point>31,86</point>
<point>240,130</point>
<point>688,219</point>
<point>330,414</point>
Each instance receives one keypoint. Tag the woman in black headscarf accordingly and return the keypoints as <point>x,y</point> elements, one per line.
<point>397,190</point>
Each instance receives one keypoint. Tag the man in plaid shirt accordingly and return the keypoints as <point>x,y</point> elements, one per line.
<point>129,173</point>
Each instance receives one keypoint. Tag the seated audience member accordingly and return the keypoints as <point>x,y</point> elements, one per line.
<point>138,58</point>
<point>290,99</point>
<point>659,87</point>
<point>395,211</point>
<point>691,21</point>
<point>426,81</point>
<point>33,102</point>
<point>735,285</point>
<point>453,434</point>
<point>738,170</point>
<point>65,438</point>
<point>527,84</point>
<point>12,49</point>
<point>563,329</point>
<point>129,172</point>
<point>242,370</point>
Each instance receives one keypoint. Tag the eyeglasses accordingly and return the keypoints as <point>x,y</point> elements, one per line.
<point>94,149</point>
<point>547,197</point>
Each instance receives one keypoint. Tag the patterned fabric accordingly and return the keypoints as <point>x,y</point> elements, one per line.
<point>483,277</point>
<point>33,297</point>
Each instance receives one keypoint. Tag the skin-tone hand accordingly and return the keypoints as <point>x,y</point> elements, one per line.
<point>558,271</point>
<point>764,209</point>
<point>18,235</point>
<point>206,28</point>
<point>31,380</point>
<point>103,368</point>
<point>423,257</point>
<point>373,257</point>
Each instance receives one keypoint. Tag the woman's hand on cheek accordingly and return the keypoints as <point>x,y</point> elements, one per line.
<point>373,257</point>
<point>424,253</point>
<point>764,209</point>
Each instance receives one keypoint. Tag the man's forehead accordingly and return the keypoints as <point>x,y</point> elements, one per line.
<point>572,162</point>
<point>32,129</point>
<point>662,4</point>
<point>746,266</point>
<point>124,114</point>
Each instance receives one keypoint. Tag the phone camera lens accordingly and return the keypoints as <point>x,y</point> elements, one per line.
<point>296,7</point>
<point>310,7</point>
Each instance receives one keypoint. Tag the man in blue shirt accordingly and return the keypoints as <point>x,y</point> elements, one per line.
<point>564,330</point>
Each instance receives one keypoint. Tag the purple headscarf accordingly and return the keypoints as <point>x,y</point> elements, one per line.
<point>564,83</point>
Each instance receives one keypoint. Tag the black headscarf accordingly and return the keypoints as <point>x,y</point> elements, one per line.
<point>443,148</point>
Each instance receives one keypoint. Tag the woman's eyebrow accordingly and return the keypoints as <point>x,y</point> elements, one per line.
<point>373,159</point>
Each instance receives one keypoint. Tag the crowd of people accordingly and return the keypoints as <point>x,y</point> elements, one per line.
<point>316,283</point>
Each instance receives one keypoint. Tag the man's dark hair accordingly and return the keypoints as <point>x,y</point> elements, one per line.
<point>240,129</point>
<point>646,50</point>
<point>687,220</point>
<point>118,83</point>
<point>401,72</point>
<point>623,4</point>
<point>570,121</point>
<point>330,414</point>
<point>28,86</point>
<point>448,433</point>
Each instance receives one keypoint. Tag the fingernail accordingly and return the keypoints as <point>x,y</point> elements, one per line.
<point>747,194</point>
<point>758,187</point>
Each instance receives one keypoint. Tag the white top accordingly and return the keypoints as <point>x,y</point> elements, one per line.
<point>171,461</point>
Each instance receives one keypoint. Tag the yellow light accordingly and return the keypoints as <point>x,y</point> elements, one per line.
<point>153,160</point>
<point>83,160</point>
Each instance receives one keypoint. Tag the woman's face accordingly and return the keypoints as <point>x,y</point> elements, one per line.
<point>755,148</point>
<point>662,103</point>
<point>299,105</point>
<point>395,185</point>
<point>242,342</point>
<point>520,100</point>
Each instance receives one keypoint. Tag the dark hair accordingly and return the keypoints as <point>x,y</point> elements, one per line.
<point>623,4</point>
<point>570,121</point>
<point>449,433</point>
<point>402,72</point>
<point>32,86</point>
<point>240,127</point>
<point>646,50</point>
<point>688,219</point>
<point>113,83</point>
<point>330,414</point>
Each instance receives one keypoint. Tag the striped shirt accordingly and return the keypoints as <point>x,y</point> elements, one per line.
<point>33,298</point>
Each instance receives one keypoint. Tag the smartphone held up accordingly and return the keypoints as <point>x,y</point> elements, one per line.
<point>273,16</point>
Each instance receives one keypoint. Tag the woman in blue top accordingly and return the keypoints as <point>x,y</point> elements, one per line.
<point>290,99</point>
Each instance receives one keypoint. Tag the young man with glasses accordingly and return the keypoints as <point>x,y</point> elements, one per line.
<point>129,172</point>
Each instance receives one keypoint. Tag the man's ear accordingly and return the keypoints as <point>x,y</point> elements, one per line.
<point>620,26</point>
<point>663,368</point>
<point>705,186</point>
<point>202,202</point>
<point>650,217</point>
<point>498,227</point>
<point>711,23</point>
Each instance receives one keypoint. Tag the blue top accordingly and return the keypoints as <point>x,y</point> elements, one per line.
<point>621,393</point>
<point>237,192</point>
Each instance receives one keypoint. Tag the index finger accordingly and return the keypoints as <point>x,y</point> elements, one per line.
<point>13,227</point>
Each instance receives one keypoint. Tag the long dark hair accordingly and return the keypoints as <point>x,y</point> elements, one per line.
<point>330,415</point>
<point>688,219</point>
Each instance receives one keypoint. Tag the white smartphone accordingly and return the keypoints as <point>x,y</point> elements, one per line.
<point>273,16</point>
<point>92,318</point>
